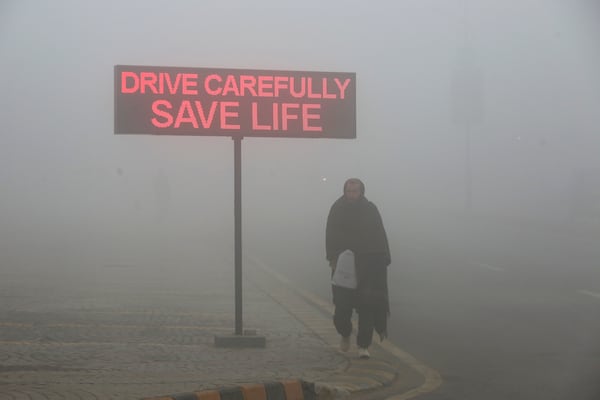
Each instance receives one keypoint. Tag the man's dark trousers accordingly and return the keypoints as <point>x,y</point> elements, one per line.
<point>345,301</point>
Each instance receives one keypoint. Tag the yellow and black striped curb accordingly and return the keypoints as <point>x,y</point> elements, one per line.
<point>284,390</point>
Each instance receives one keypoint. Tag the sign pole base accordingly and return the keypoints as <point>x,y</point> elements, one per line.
<point>248,340</point>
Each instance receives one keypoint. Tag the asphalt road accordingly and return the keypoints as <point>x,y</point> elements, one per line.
<point>500,311</point>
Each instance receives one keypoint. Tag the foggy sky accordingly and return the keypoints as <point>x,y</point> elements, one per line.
<point>520,78</point>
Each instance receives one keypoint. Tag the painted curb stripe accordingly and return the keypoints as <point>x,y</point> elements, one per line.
<point>185,396</point>
<point>208,395</point>
<point>275,390</point>
<point>285,390</point>
<point>231,394</point>
<point>293,390</point>
<point>254,392</point>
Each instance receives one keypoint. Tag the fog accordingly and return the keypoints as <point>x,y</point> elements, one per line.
<point>484,110</point>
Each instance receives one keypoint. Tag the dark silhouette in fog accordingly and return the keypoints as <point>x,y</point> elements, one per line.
<point>354,224</point>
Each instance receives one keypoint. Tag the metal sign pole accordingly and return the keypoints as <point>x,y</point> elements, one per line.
<point>237,166</point>
<point>240,338</point>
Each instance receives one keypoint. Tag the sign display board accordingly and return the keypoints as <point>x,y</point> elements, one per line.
<point>234,102</point>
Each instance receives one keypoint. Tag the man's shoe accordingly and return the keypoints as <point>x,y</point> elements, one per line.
<point>345,344</point>
<point>363,353</point>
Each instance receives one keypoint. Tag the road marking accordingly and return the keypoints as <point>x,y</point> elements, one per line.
<point>589,293</point>
<point>491,267</point>
<point>432,378</point>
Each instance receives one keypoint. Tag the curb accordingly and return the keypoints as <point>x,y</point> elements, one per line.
<point>391,372</point>
<point>283,390</point>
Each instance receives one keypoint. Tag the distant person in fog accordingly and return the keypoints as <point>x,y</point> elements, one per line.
<point>354,224</point>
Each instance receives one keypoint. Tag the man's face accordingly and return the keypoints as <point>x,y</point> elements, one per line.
<point>352,191</point>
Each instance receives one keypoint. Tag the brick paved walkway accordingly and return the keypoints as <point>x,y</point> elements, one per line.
<point>124,332</point>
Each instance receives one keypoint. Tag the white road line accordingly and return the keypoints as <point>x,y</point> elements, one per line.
<point>491,267</point>
<point>589,293</point>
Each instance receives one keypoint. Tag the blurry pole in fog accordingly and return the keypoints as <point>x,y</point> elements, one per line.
<point>467,100</point>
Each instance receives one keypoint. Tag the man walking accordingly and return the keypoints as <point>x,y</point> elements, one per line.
<point>354,224</point>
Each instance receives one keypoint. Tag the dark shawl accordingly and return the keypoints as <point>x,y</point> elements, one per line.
<point>358,226</point>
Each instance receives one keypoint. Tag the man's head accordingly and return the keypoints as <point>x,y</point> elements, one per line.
<point>354,189</point>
